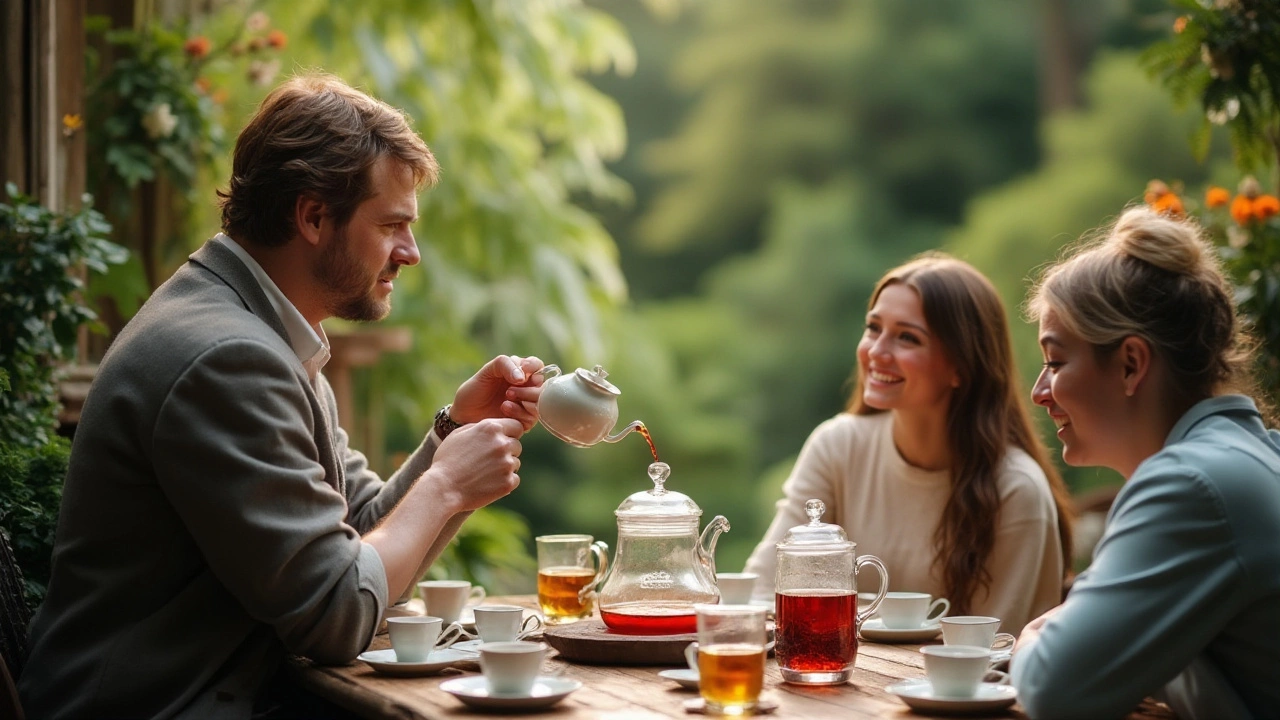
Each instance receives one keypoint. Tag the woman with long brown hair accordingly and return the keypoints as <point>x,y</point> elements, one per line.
<point>934,466</point>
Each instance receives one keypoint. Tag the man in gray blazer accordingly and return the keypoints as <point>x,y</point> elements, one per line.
<point>214,517</point>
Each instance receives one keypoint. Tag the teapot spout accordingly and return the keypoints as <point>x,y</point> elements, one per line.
<point>635,425</point>
<point>707,542</point>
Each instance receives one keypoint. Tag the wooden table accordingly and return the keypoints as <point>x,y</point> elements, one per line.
<point>629,693</point>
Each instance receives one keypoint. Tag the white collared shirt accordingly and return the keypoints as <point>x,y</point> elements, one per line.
<point>308,341</point>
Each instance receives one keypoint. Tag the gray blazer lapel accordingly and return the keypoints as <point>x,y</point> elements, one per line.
<point>219,260</point>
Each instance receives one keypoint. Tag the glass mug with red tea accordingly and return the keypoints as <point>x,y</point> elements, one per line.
<point>569,568</point>
<point>662,567</point>
<point>817,617</point>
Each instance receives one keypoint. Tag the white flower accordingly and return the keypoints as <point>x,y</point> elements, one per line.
<point>159,121</point>
<point>257,22</point>
<point>263,72</point>
<point>1228,111</point>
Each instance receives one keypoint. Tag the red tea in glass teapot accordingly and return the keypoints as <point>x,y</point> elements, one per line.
<point>662,567</point>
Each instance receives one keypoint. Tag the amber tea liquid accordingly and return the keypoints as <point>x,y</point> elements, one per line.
<point>644,431</point>
<point>817,638</point>
<point>558,589</point>
<point>731,675</point>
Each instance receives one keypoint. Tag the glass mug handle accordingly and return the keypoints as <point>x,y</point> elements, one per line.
<point>873,561</point>
<point>600,550</point>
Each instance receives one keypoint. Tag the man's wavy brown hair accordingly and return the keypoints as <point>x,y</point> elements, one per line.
<point>985,418</point>
<point>317,137</point>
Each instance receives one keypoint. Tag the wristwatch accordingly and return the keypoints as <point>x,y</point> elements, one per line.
<point>444,423</point>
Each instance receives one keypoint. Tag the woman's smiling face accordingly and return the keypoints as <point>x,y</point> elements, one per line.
<point>904,366</point>
<point>1083,395</point>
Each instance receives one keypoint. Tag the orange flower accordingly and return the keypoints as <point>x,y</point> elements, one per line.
<point>1242,209</point>
<point>1169,204</point>
<point>1217,197</point>
<point>1264,206</point>
<point>71,123</point>
<point>219,96</point>
<point>1180,24</point>
<point>203,85</point>
<point>277,39</point>
<point>1156,189</point>
<point>198,46</point>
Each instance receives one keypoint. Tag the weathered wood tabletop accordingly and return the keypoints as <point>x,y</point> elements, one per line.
<point>629,693</point>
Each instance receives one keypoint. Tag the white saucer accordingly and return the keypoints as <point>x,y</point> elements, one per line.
<point>384,661</point>
<point>917,693</point>
<point>875,631</point>
<point>474,691</point>
<point>685,677</point>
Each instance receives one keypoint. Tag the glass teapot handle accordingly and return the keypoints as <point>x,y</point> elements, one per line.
<point>548,371</point>
<point>873,561</point>
<point>600,550</point>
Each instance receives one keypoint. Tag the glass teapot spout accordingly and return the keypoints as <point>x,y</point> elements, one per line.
<point>635,425</point>
<point>707,542</point>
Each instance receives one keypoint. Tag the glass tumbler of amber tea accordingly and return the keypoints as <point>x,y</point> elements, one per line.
<point>570,568</point>
<point>730,657</point>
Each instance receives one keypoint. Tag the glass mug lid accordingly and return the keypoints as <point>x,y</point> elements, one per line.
<point>658,503</point>
<point>816,535</point>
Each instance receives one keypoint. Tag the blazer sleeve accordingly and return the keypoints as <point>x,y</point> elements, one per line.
<point>236,454</point>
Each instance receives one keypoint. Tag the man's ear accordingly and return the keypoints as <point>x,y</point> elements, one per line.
<point>1134,355</point>
<point>308,215</point>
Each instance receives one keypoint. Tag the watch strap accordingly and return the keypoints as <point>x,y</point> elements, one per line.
<point>444,422</point>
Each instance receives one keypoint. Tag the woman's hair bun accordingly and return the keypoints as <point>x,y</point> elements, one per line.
<point>1167,243</point>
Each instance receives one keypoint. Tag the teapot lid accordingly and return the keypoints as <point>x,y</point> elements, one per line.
<point>658,503</point>
<point>815,535</point>
<point>596,377</point>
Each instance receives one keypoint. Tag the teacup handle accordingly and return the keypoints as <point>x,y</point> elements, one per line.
<point>691,656</point>
<point>527,629</point>
<point>944,603</point>
<point>476,596</point>
<point>1003,641</point>
<point>599,550</point>
<point>451,635</point>
<point>873,561</point>
<point>1000,677</point>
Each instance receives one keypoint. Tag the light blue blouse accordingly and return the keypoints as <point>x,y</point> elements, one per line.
<point>1182,600</point>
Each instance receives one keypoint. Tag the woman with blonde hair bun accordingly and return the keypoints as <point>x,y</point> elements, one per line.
<point>1147,371</point>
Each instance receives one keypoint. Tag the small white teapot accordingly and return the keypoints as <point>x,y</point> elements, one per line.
<point>581,408</point>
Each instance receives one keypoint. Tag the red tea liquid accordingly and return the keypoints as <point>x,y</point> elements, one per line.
<point>816,630</point>
<point>647,619</point>
<point>644,431</point>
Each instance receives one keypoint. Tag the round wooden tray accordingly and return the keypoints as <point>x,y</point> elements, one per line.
<point>593,643</point>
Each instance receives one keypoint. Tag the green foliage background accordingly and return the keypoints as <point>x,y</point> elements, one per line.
<point>700,194</point>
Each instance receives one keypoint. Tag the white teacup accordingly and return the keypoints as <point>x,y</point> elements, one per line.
<point>502,623</point>
<point>977,630</point>
<point>511,667</point>
<point>911,610</point>
<point>414,637</point>
<point>735,588</point>
<point>957,670</point>
<point>446,598</point>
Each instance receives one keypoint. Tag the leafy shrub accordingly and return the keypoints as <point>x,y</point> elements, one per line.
<point>30,492</point>
<point>41,312</point>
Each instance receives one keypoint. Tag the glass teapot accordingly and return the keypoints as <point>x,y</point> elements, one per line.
<point>662,566</point>
<point>817,601</point>
<point>580,408</point>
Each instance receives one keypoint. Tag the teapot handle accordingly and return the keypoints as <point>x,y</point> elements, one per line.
<point>600,550</point>
<point>873,561</point>
<point>548,371</point>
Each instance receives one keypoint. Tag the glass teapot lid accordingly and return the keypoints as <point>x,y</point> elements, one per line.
<point>659,503</point>
<point>815,535</point>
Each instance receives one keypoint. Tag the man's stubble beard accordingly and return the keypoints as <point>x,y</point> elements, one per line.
<point>349,294</point>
